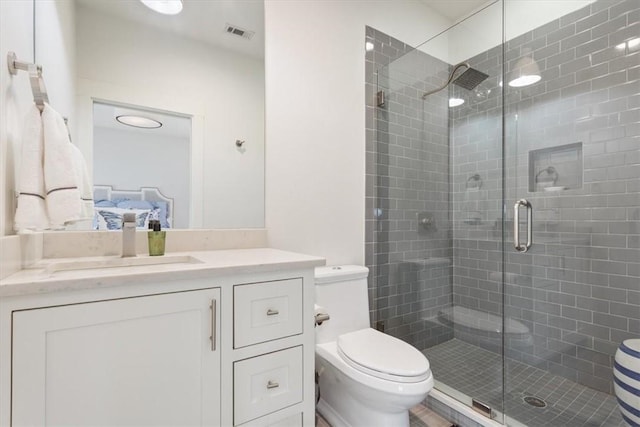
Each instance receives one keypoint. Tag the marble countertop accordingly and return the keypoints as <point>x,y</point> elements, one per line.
<point>60,274</point>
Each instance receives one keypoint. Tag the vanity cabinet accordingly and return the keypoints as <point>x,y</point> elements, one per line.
<point>201,348</point>
<point>149,360</point>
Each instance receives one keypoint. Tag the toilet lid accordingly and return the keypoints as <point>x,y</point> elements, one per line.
<point>383,356</point>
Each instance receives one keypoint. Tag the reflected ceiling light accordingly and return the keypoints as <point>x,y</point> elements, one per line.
<point>631,45</point>
<point>139,122</point>
<point>166,7</point>
<point>525,73</point>
<point>454,102</point>
<point>368,46</point>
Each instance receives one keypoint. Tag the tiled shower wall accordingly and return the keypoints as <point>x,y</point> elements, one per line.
<point>578,288</point>
<point>407,180</point>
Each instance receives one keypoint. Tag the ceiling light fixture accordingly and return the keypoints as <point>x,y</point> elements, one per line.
<point>369,46</point>
<point>139,122</point>
<point>166,7</point>
<point>526,72</point>
<point>454,102</point>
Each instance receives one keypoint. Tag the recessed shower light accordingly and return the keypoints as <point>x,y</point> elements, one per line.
<point>368,46</point>
<point>166,7</point>
<point>454,102</point>
<point>139,122</point>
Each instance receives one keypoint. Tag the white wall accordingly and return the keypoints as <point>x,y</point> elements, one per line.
<point>17,34</point>
<point>130,160</point>
<point>159,70</point>
<point>315,73</point>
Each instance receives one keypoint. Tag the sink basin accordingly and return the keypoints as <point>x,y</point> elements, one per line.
<point>120,262</point>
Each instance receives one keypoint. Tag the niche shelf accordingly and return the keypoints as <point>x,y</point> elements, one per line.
<point>556,168</point>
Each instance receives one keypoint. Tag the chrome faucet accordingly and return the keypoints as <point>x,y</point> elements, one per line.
<point>129,235</point>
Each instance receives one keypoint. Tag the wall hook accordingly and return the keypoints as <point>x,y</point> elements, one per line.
<point>240,143</point>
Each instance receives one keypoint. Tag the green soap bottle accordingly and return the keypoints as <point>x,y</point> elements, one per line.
<point>157,238</point>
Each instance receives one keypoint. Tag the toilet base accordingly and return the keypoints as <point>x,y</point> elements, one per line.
<point>387,420</point>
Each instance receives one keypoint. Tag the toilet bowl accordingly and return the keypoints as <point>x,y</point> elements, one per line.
<point>366,378</point>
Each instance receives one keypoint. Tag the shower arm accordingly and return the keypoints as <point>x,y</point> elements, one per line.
<point>460,65</point>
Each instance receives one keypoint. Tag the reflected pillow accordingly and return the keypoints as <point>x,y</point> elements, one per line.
<point>158,209</point>
<point>111,218</point>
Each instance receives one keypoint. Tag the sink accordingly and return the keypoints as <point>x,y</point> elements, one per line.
<point>120,262</point>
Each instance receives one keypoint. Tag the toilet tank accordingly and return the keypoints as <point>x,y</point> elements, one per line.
<point>341,292</point>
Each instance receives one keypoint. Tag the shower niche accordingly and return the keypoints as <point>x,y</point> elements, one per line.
<point>554,169</point>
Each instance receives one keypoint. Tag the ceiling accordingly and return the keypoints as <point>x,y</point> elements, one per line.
<point>456,10</point>
<point>206,20</point>
<point>200,20</point>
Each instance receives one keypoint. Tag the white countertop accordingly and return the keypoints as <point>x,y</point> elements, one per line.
<point>41,278</point>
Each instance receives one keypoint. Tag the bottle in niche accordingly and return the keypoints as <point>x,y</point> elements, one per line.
<point>157,238</point>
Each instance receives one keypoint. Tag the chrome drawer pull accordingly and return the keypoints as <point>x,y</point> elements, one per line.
<point>272,384</point>
<point>271,312</point>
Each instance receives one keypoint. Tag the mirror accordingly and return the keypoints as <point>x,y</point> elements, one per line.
<point>204,66</point>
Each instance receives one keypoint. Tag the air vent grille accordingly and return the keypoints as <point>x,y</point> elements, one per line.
<point>234,30</point>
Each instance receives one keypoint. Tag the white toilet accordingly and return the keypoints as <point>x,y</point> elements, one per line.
<point>366,378</point>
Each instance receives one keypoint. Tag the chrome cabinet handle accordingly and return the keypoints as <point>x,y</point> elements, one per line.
<point>272,384</point>
<point>213,325</point>
<point>271,312</point>
<point>516,225</point>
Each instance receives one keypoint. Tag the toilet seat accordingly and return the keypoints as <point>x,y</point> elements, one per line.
<point>383,356</point>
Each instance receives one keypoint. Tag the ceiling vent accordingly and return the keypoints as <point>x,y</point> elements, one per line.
<point>240,32</point>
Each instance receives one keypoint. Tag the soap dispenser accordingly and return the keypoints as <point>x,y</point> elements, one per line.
<point>157,238</point>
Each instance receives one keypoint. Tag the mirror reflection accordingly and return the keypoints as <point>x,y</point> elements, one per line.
<point>203,68</point>
<point>156,188</point>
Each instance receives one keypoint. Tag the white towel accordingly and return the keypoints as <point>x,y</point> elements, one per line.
<point>85,187</point>
<point>63,197</point>
<point>31,213</point>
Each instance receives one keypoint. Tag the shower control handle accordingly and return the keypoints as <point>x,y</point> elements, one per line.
<point>516,225</point>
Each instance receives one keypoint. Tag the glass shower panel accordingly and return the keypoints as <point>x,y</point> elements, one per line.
<point>572,151</point>
<point>437,272</point>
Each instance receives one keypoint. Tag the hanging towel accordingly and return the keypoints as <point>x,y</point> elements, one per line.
<point>85,187</point>
<point>31,213</point>
<point>63,197</point>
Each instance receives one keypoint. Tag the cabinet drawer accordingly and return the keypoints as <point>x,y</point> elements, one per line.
<point>266,311</point>
<point>267,383</point>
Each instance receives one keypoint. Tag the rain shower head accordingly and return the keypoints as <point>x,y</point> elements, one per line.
<point>468,79</point>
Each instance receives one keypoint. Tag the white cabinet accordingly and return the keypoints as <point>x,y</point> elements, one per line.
<point>221,350</point>
<point>148,360</point>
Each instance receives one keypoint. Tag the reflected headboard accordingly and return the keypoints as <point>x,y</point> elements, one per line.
<point>150,194</point>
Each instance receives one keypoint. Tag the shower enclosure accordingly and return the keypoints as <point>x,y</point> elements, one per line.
<point>503,218</point>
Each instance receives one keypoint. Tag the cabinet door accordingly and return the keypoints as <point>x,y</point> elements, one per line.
<point>136,361</point>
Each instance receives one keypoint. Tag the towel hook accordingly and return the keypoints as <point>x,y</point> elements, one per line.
<point>35,78</point>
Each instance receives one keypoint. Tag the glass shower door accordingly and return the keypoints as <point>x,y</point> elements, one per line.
<point>435,181</point>
<point>572,160</point>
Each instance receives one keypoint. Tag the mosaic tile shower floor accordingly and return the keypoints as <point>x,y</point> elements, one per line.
<point>477,372</point>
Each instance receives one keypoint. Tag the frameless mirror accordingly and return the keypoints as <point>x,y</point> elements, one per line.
<point>202,72</point>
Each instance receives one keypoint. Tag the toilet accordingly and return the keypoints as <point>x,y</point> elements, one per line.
<point>365,377</point>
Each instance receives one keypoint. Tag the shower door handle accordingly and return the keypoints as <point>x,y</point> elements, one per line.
<point>516,225</point>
